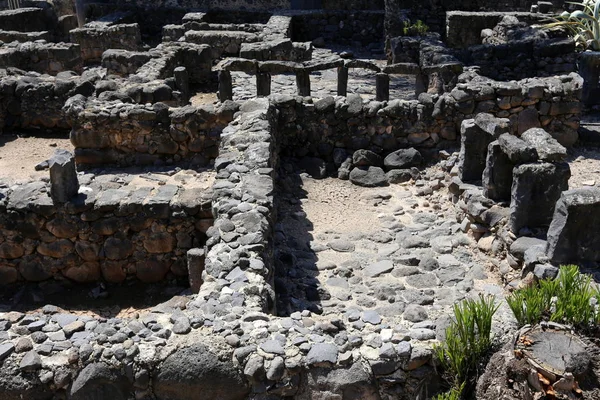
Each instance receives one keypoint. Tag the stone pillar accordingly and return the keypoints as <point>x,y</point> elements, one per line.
<point>263,84</point>
<point>80,11</point>
<point>342,87</point>
<point>535,190</point>
<point>573,234</point>
<point>225,86</point>
<point>63,176</point>
<point>195,264</point>
<point>589,69</point>
<point>382,87</point>
<point>182,81</point>
<point>303,83</point>
<point>498,174</point>
<point>421,84</point>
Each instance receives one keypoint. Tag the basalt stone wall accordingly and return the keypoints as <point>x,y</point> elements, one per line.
<point>432,120</point>
<point>95,40</point>
<point>104,234</point>
<point>361,28</point>
<point>116,133</point>
<point>240,246</point>
<point>523,59</point>
<point>433,13</point>
<point>28,19</point>
<point>45,58</point>
<point>33,102</point>
<point>463,29</point>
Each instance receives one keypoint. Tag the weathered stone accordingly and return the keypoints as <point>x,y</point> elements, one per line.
<point>152,270</point>
<point>517,150</point>
<point>547,148</point>
<point>403,158</point>
<point>63,176</point>
<point>97,381</point>
<point>498,174</point>
<point>368,177</point>
<point>197,369</point>
<point>195,264</point>
<point>536,189</point>
<point>366,158</point>
<point>322,354</point>
<point>474,143</point>
<point>572,236</point>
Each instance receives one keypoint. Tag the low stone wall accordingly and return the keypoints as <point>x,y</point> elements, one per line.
<point>463,28</point>
<point>45,58</point>
<point>116,133</point>
<point>29,19</point>
<point>364,28</point>
<point>28,102</point>
<point>346,123</point>
<point>523,59</point>
<point>95,40</point>
<point>102,234</point>
<point>15,36</point>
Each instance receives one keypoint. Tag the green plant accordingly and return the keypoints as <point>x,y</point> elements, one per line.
<point>583,24</point>
<point>571,299</point>
<point>452,394</point>
<point>417,29</point>
<point>468,339</point>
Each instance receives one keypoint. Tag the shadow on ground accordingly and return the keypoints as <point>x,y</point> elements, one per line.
<point>296,271</point>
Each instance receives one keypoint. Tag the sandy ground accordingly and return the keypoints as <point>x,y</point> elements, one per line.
<point>585,167</point>
<point>20,154</point>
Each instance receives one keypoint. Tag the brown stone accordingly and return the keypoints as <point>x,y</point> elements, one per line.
<point>8,274</point>
<point>112,271</point>
<point>153,270</point>
<point>107,227</point>
<point>161,242</point>
<point>84,273</point>
<point>88,251</point>
<point>33,270</point>
<point>57,249</point>
<point>11,250</point>
<point>117,249</point>
<point>62,229</point>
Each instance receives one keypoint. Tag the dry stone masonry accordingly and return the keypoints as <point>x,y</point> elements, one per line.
<point>204,134</point>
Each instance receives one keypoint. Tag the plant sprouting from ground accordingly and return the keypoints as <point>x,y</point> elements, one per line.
<point>571,299</point>
<point>468,340</point>
<point>583,24</point>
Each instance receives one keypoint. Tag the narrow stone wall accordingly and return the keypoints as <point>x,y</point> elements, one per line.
<point>102,234</point>
<point>240,248</point>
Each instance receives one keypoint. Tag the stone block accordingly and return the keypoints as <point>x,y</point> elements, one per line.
<point>195,262</point>
<point>498,174</point>
<point>473,148</point>
<point>517,150</point>
<point>63,176</point>
<point>547,148</point>
<point>535,190</point>
<point>573,233</point>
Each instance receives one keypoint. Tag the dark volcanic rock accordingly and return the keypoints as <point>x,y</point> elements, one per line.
<point>98,382</point>
<point>403,158</point>
<point>196,370</point>
<point>368,177</point>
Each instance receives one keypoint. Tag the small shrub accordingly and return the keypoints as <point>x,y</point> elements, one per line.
<point>468,339</point>
<point>417,29</point>
<point>570,299</point>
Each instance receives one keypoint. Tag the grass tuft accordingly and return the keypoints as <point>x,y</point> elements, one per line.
<point>468,339</point>
<point>571,299</point>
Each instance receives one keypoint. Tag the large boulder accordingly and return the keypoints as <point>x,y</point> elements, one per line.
<point>197,372</point>
<point>365,158</point>
<point>98,382</point>
<point>403,158</point>
<point>353,383</point>
<point>368,177</point>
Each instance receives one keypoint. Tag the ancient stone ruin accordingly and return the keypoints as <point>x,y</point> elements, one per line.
<point>278,199</point>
